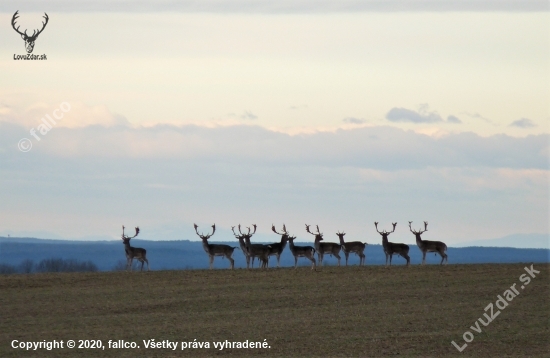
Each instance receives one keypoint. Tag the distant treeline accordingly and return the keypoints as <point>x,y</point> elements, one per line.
<point>182,255</point>
<point>49,265</point>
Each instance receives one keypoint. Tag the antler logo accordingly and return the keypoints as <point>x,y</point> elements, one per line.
<point>29,40</point>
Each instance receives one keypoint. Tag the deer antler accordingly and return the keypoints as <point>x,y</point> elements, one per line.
<point>202,236</point>
<point>318,232</point>
<point>278,233</point>
<point>15,17</point>
<point>234,233</point>
<point>376,225</point>
<point>425,226</point>
<point>34,33</point>
<point>43,24</point>
<point>254,229</point>
<point>394,225</point>
<point>410,228</point>
<point>307,229</point>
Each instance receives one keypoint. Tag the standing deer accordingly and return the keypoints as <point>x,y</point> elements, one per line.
<point>276,249</point>
<point>323,248</point>
<point>391,248</point>
<point>353,246</point>
<point>214,250</point>
<point>429,246</point>
<point>301,251</point>
<point>242,244</point>
<point>256,250</point>
<point>133,252</point>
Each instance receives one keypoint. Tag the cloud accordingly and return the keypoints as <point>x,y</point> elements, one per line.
<point>477,116</point>
<point>283,6</point>
<point>406,115</point>
<point>453,119</point>
<point>523,123</point>
<point>249,115</point>
<point>353,120</point>
<point>74,115</point>
<point>395,148</point>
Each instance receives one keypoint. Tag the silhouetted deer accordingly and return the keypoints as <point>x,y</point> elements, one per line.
<point>429,246</point>
<point>133,252</point>
<point>391,248</point>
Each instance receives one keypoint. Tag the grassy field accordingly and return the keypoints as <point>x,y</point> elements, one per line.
<point>337,311</point>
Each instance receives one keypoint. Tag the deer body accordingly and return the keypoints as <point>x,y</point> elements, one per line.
<point>323,248</point>
<point>133,252</point>
<point>352,246</point>
<point>213,250</point>
<point>301,251</point>
<point>244,249</point>
<point>256,250</point>
<point>391,248</point>
<point>429,246</point>
<point>276,249</point>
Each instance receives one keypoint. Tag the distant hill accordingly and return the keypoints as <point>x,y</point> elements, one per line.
<point>171,255</point>
<point>524,241</point>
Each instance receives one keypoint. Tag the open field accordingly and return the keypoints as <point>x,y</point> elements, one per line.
<point>356,311</point>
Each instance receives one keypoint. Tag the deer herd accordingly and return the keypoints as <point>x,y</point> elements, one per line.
<point>262,252</point>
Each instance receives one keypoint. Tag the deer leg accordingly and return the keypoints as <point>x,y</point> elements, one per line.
<point>278,260</point>
<point>424,257</point>
<point>232,262</point>
<point>142,262</point>
<point>408,259</point>
<point>347,255</point>
<point>131,262</point>
<point>253,261</point>
<point>147,264</point>
<point>211,261</point>
<point>313,263</point>
<point>338,257</point>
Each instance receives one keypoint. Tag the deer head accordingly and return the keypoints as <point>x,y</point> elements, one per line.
<point>29,40</point>
<point>318,235</point>
<point>205,237</point>
<point>126,239</point>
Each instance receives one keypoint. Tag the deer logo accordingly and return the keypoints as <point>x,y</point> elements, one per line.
<point>29,40</point>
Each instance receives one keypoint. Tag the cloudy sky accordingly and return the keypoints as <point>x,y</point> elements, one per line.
<point>336,113</point>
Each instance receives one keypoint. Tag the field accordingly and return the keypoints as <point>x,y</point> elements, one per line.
<point>337,311</point>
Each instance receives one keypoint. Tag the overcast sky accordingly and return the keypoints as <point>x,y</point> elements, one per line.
<point>336,113</point>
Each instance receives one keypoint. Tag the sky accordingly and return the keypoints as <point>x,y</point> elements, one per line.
<point>330,113</point>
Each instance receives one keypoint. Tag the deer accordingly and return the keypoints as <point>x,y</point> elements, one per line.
<point>353,246</point>
<point>256,250</point>
<point>302,251</point>
<point>29,40</point>
<point>242,244</point>
<point>214,250</point>
<point>323,248</point>
<point>429,246</point>
<point>391,248</point>
<point>133,252</point>
<point>276,249</point>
